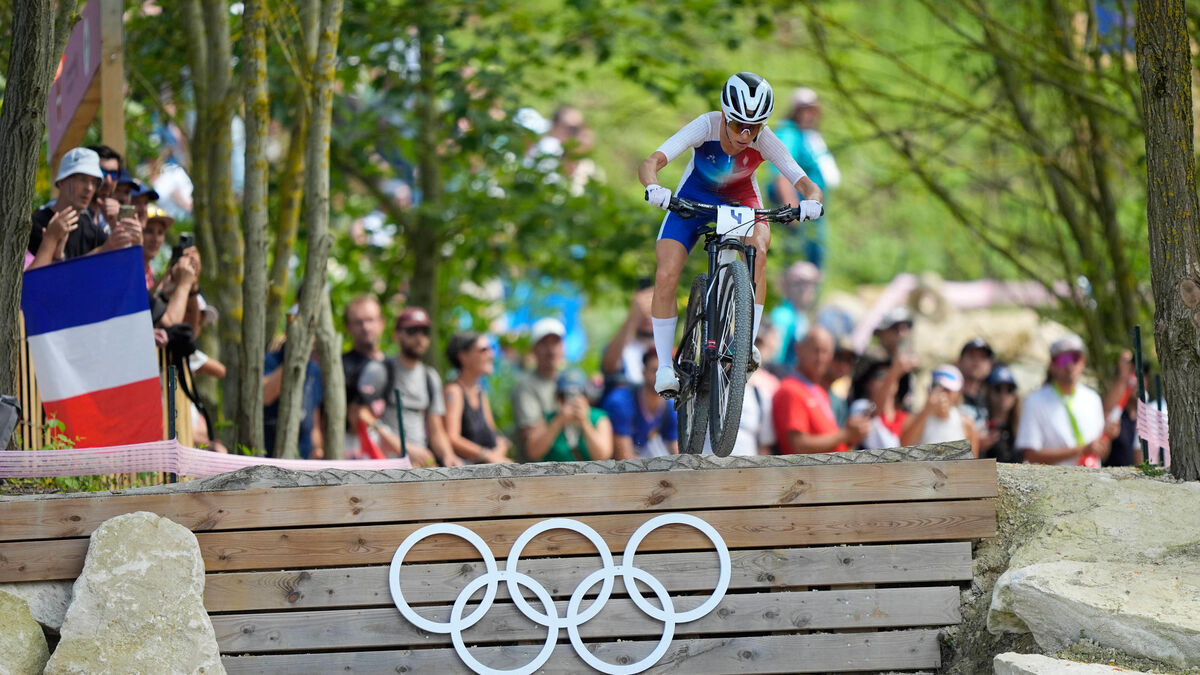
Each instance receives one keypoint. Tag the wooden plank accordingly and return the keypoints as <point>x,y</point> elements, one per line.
<point>816,653</point>
<point>620,618</point>
<point>679,490</point>
<point>441,582</point>
<point>365,545</point>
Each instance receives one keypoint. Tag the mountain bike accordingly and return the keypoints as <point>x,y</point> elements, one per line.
<point>713,356</point>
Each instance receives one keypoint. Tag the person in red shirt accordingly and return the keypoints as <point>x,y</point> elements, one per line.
<point>803,416</point>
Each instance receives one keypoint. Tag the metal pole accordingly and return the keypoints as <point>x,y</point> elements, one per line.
<point>171,411</point>
<point>400,422</point>
<point>1137,365</point>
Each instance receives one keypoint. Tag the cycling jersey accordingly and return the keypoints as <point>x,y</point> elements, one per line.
<point>714,177</point>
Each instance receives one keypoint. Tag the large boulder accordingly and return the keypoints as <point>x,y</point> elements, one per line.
<point>1036,664</point>
<point>1114,560</point>
<point>137,605</point>
<point>47,600</point>
<point>23,648</point>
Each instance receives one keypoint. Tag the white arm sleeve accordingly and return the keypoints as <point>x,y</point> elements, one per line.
<point>692,135</point>
<point>774,151</point>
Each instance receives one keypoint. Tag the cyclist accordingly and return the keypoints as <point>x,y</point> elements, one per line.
<point>727,147</point>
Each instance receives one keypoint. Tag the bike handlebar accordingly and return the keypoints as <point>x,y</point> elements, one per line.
<point>690,209</point>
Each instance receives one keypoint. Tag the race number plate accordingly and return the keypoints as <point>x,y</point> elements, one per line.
<point>735,220</point>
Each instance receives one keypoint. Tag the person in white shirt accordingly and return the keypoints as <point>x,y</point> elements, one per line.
<point>940,421</point>
<point>1063,422</point>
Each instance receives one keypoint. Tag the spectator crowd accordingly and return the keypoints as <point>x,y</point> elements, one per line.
<point>814,393</point>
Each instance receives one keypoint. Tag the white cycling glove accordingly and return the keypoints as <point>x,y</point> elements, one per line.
<point>658,196</point>
<point>810,209</point>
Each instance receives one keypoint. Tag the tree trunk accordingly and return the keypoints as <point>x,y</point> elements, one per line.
<point>227,261</point>
<point>39,33</point>
<point>316,219</point>
<point>291,183</point>
<point>249,415</point>
<point>329,354</point>
<point>426,239</point>
<point>197,39</point>
<point>1173,215</point>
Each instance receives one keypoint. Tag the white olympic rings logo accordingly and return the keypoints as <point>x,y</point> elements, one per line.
<point>574,617</point>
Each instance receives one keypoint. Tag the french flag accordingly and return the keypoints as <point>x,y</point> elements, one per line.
<point>92,342</point>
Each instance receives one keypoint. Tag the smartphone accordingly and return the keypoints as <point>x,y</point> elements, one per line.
<point>126,212</point>
<point>186,240</point>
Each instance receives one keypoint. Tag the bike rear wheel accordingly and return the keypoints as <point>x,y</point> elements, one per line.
<point>727,374</point>
<point>692,406</point>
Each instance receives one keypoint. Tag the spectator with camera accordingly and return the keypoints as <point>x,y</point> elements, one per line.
<point>941,420</point>
<point>69,229</point>
<point>575,431</point>
<point>105,205</point>
<point>534,395</point>
<point>874,395</point>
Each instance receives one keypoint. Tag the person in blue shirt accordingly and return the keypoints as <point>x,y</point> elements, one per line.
<point>799,135</point>
<point>644,424</point>
<point>311,444</point>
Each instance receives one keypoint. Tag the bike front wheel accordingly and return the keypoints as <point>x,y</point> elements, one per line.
<point>727,375</point>
<point>689,364</point>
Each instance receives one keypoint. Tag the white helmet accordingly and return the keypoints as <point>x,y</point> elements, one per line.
<point>747,98</point>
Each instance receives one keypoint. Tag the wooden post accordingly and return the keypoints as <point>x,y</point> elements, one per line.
<point>112,74</point>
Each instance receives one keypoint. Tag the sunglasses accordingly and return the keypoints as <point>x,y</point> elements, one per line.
<point>111,174</point>
<point>1004,389</point>
<point>739,128</point>
<point>417,330</point>
<point>1068,359</point>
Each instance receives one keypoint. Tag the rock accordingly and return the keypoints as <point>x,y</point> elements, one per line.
<point>1148,612</point>
<point>47,600</point>
<point>138,605</point>
<point>1036,664</point>
<point>23,648</point>
<point>1100,565</point>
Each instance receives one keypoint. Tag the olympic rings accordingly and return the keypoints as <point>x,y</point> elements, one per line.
<point>573,618</point>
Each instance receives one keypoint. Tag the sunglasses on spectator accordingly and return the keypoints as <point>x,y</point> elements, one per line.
<point>111,174</point>
<point>1004,389</point>
<point>739,128</point>
<point>417,330</point>
<point>1068,359</point>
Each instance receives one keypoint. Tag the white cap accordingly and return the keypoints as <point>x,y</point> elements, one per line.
<point>546,326</point>
<point>79,160</point>
<point>948,376</point>
<point>1068,343</point>
<point>803,96</point>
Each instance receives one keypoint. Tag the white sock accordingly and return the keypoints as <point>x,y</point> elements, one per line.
<point>664,340</point>
<point>758,309</point>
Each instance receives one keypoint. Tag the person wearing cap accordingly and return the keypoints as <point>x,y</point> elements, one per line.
<point>800,136</point>
<point>975,363</point>
<point>533,396</point>
<point>1004,415</point>
<point>422,401</point>
<point>154,233</point>
<point>141,199</point>
<point>791,317</point>
<point>940,421</point>
<point>801,410</point>
<point>894,332</point>
<point>1063,421</point>
<point>69,229</point>
<point>575,431</point>
<point>126,186</point>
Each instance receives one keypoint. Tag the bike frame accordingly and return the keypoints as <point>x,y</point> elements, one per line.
<point>714,245</point>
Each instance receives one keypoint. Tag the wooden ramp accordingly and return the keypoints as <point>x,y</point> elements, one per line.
<point>851,567</point>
